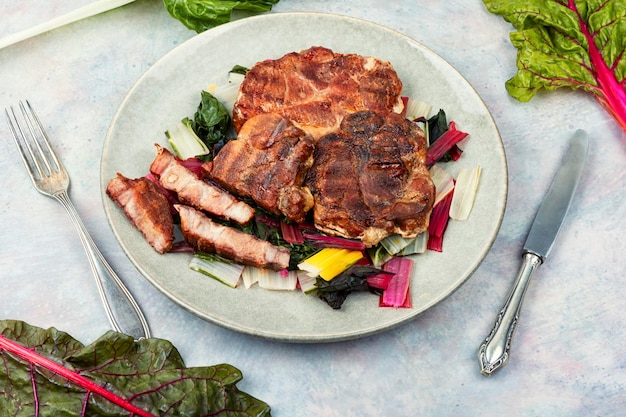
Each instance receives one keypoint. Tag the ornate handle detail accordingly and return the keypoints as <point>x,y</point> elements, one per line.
<point>494,352</point>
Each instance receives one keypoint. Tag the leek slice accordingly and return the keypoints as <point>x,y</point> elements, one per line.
<point>216,267</point>
<point>184,141</point>
<point>465,193</point>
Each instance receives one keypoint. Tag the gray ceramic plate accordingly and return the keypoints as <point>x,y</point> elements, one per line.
<point>170,90</point>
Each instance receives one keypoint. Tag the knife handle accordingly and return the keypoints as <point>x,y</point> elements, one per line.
<point>494,352</point>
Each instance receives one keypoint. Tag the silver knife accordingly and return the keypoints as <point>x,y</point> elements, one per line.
<point>495,350</point>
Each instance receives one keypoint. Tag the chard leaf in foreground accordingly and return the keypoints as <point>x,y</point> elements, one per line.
<point>200,15</point>
<point>569,43</point>
<point>48,373</point>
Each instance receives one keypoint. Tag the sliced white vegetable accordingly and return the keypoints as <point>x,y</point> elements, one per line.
<point>394,243</point>
<point>379,255</point>
<point>235,78</point>
<point>250,276</point>
<point>465,193</point>
<point>225,272</point>
<point>416,109</point>
<point>227,93</point>
<point>307,283</point>
<point>416,245</point>
<point>276,280</point>
<point>185,142</point>
<point>444,182</point>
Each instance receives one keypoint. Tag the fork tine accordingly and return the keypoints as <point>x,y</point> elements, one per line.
<point>29,137</point>
<point>43,135</point>
<point>22,144</point>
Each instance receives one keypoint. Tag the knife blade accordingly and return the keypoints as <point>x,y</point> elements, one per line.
<point>494,352</point>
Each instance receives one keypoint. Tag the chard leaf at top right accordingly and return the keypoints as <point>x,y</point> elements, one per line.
<point>579,44</point>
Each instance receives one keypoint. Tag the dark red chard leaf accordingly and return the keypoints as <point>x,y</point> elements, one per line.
<point>48,373</point>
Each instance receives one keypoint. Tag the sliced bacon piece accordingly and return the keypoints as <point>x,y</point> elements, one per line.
<point>146,207</point>
<point>196,192</point>
<point>208,236</point>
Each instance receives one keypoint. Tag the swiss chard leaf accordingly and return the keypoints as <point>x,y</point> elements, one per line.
<point>200,15</point>
<point>149,374</point>
<point>211,120</point>
<point>578,44</point>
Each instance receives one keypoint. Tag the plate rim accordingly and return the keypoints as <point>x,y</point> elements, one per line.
<point>294,337</point>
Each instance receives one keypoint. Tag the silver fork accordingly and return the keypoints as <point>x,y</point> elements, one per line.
<point>50,178</point>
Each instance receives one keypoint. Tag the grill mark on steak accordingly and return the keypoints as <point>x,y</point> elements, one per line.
<point>267,162</point>
<point>369,179</point>
<point>208,236</point>
<point>317,87</point>
<point>147,209</point>
<point>194,191</point>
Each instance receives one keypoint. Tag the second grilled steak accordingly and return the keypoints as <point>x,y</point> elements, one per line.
<point>369,179</point>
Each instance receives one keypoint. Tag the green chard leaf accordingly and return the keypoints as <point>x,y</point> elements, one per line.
<point>148,375</point>
<point>211,120</point>
<point>578,44</point>
<point>200,15</point>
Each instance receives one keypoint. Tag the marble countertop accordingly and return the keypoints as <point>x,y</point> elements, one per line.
<point>568,355</point>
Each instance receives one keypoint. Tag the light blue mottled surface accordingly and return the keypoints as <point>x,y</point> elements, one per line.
<point>569,354</point>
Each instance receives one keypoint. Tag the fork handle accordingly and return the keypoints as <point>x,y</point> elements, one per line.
<point>121,308</point>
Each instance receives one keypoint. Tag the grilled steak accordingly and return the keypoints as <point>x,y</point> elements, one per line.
<point>369,179</point>
<point>316,88</point>
<point>206,235</point>
<point>146,207</point>
<point>267,162</point>
<point>194,191</point>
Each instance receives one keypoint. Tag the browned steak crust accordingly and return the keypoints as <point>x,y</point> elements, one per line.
<point>267,162</point>
<point>208,236</point>
<point>146,207</point>
<point>369,179</point>
<point>317,87</point>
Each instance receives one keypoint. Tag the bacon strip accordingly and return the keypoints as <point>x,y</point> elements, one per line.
<point>208,236</point>
<point>196,192</point>
<point>146,207</point>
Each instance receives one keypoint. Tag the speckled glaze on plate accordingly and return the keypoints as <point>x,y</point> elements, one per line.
<point>170,90</point>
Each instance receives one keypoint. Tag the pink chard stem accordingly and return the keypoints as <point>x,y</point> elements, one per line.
<point>31,356</point>
<point>612,95</point>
